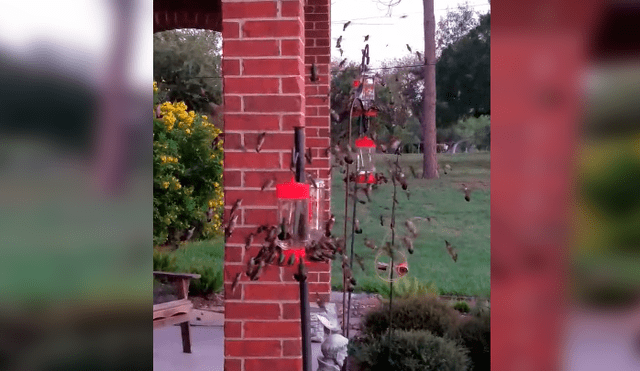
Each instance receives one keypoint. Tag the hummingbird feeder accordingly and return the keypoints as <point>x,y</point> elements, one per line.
<point>365,148</point>
<point>293,210</point>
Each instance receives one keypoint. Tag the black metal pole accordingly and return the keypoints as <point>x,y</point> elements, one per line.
<point>305,319</point>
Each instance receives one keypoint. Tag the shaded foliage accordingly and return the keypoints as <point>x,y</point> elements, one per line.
<point>187,67</point>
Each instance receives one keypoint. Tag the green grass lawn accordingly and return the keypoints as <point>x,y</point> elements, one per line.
<point>206,253</point>
<point>466,225</point>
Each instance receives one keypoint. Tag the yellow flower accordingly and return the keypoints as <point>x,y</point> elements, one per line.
<point>155,86</point>
<point>204,117</point>
<point>165,185</point>
<point>164,159</point>
<point>177,186</point>
<point>188,131</point>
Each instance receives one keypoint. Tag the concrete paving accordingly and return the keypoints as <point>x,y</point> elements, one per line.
<point>207,342</point>
<point>207,348</point>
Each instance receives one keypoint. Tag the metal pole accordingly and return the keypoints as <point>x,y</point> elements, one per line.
<point>305,319</point>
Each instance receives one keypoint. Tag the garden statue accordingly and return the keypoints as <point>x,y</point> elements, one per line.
<point>324,324</point>
<point>334,352</point>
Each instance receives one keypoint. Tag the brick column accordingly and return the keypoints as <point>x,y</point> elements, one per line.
<point>263,69</point>
<point>317,109</point>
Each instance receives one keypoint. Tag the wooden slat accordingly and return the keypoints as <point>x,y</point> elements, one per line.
<point>183,306</point>
<point>176,275</point>
<point>171,320</point>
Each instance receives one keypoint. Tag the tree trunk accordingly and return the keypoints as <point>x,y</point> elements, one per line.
<point>429,163</point>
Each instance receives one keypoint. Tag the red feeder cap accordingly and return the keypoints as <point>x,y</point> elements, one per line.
<point>356,83</point>
<point>369,180</point>
<point>292,190</point>
<point>299,253</point>
<point>365,142</point>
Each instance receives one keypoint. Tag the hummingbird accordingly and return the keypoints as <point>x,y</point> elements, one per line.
<point>267,184</point>
<point>249,240</point>
<point>419,54</point>
<point>467,193</point>
<point>314,73</point>
<point>408,243</point>
<point>234,284</point>
<point>342,64</point>
<point>360,261</point>
<point>312,180</point>
<point>260,141</point>
<point>368,243</point>
<point>231,226</point>
<point>341,51</point>
<point>217,140</point>
<point>308,156</point>
<point>188,234</point>
<point>366,38</point>
<point>302,271</point>
<point>329,225</point>
<point>235,206</point>
<point>409,48</point>
<point>451,250</point>
<point>411,228</point>
<point>209,214</point>
<point>413,171</point>
<point>321,303</point>
<point>358,230</point>
<point>381,220</point>
<point>344,27</point>
<point>338,42</point>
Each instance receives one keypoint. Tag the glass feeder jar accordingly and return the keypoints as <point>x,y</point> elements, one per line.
<point>293,211</point>
<point>365,148</point>
<point>315,211</point>
<point>368,89</point>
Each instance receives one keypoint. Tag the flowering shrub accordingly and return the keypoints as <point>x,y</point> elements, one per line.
<point>187,174</point>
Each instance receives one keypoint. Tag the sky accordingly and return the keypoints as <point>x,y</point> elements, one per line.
<point>388,33</point>
<point>84,29</point>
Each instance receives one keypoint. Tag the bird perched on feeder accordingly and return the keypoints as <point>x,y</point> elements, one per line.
<point>344,27</point>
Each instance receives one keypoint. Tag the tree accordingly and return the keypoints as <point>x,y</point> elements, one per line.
<point>454,26</point>
<point>187,67</point>
<point>429,163</point>
<point>463,76</point>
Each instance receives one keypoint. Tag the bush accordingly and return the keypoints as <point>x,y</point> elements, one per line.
<point>408,351</point>
<point>164,262</point>
<point>462,306</point>
<point>407,288</point>
<point>474,333</point>
<point>187,175</point>
<point>210,280</point>
<point>416,313</point>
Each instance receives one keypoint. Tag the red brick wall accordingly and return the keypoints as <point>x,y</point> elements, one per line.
<point>263,69</point>
<point>317,110</point>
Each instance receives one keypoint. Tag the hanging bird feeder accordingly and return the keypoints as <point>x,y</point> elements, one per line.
<point>293,214</point>
<point>365,148</point>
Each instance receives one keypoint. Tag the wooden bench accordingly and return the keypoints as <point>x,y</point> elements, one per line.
<point>176,311</point>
